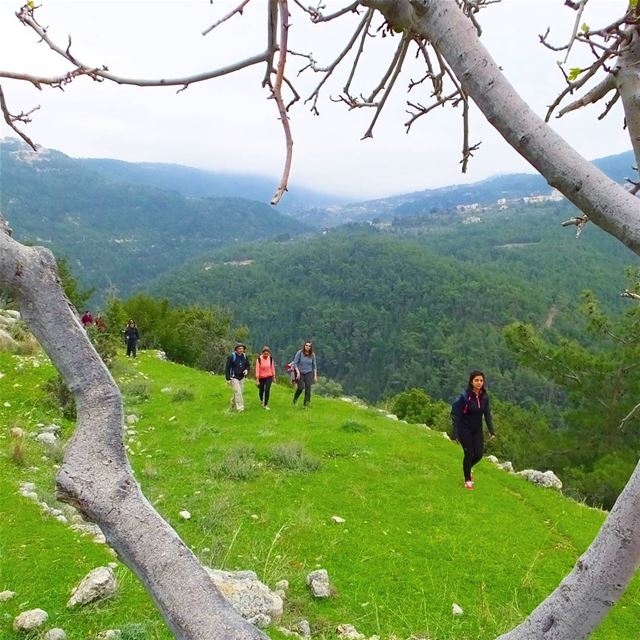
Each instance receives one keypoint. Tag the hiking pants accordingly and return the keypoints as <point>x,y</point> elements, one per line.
<point>473,445</point>
<point>132,344</point>
<point>304,382</point>
<point>264,387</point>
<point>237,401</point>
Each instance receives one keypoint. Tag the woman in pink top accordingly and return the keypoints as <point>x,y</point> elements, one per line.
<point>265,375</point>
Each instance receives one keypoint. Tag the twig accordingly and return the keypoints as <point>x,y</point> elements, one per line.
<point>629,294</point>
<point>11,120</point>
<point>578,221</point>
<point>591,97</point>
<point>239,9</point>
<point>628,417</point>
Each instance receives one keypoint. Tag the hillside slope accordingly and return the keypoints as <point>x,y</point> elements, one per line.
<point>262,488</point>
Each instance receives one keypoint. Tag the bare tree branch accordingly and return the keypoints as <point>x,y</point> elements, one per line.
<point>597,93</point>
<point>11,120</point>
<point>629,294</point>
<point>239,9</point>
<point>277,94</point>
<point>578,221</point>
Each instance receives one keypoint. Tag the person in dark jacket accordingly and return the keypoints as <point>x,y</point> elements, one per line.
<point>235,371</point>
<point>466,414</point>
<point>131,337</point>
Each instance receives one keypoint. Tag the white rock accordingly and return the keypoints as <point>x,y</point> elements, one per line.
<point>507,466</point>
<point>252,599</point>
<point>29,620</point>
<point>185,515</point>
<point>338,519</point>
<point>304,629</point>
<point>349,632</point>
<point>318,582</point>
<point>50,428</point>
<point>98,584</point>
<point>132,418</point>
<point>55,634</point>
<point>6,595</point>
<point>456,609</point>
<point>493,459</point>
<point>282,585</point>
<point>46,438</point>
<point>165,390</point>
<point>109,634</point>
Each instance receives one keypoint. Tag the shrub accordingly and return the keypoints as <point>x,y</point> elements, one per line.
<point>352,426</point>
<point>415,405</point>
<point>327,387</point>
<point>137,390</point>
<point>134,631</point>
<point>292,457</point>
<point>238,464</point>
<point>182,395</point>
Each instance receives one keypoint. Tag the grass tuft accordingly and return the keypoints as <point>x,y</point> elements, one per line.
<point>182,395</point>
<point>353,426</point>
<point>291,456</point>
<point>239,463</point>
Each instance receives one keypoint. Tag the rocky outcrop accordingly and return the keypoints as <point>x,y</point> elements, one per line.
<point>98,584</point>
<point>252,599</point>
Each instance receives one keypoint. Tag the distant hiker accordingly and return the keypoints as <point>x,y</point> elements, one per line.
<point>100,324</point>
<point>307,372</point>
<point>466,414</point>
<point>265,376</point>
<point>87,319</point>
<point>131,337</point>
<point>235,371</point>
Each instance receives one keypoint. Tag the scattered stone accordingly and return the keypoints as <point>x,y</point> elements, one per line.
<point>30,620</point>
<point>456,609</point>
<point>166,390</point>
<point>132,418</point>
<point>161,355</point>
<point>338,519</point>
<point>50,428</point>
<point>185,515</point>
<point>48,439</point>
<point>391,416</point>
<point>546,479</point>
<point>55,634</point>
<point>109,634</point>
<point>507,466</point>
<point>493,459</point>
<point>172,418</point>
<point>304,628</point>
<point>318,582</point>
<point>282,585</point>
<point>445,435</point>
<point>7,595</point>
<point>288,633</point>
<point>252,599</point>
<point>98,584</point>
<point>349,632</point>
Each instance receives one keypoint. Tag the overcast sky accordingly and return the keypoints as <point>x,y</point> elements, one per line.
<point>228,124</point>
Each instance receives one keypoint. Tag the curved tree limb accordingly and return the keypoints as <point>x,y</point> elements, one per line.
<point>95,475</point>
<point>591,97</point>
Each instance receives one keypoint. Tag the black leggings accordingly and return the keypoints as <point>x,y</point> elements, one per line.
<point>473,445</point>
<point>264,386</point>
<point>304,382</point>
<point>132,346</point>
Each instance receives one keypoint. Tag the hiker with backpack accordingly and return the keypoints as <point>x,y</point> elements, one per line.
<point>466,414</point>
<point>235,371</point>
<point>265,376</point>
<point>306,368</point>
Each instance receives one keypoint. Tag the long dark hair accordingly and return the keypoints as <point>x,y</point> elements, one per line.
<point>307,342</point>
<point>472,375</point>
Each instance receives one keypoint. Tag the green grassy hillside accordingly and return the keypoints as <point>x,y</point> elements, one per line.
<point>262,488</point>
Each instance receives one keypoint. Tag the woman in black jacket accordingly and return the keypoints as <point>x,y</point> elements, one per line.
<point>131,336</point>
<point>466,413</point>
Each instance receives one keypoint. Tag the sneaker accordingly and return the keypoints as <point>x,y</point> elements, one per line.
<point>266,408</point>
<point>468,484</point>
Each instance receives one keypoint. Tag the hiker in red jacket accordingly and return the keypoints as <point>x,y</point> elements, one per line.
<point>265,376</point>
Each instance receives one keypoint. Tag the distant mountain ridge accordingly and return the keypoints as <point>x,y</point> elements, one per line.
<point>107,227</point>
<point>509,186</point>
<point>205,184</point>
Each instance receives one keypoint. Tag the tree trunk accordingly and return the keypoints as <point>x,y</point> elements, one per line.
<point>95,475</point>
<point>601,575</point>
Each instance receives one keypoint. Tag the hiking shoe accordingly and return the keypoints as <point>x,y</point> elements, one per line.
<point>468,484</point>
<point>266,408</point>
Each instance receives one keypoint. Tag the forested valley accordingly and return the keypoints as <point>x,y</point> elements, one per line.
<point>399,308</point>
